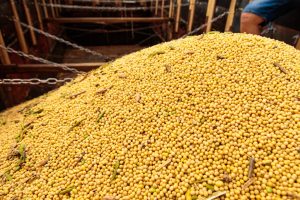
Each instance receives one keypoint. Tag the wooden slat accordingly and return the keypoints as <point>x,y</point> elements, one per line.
<point>45,68</point>
<point>19,30</point>
<point>210,14</point>
<point>39,15</point>
<point>228,26</point>
<point>52,8</point>
<point>4,55</point>
<point>106,19</point>
<point>156,7</point>
<point>171,8</point>
<point>178,15</point>
<point>191,15</point>
<point>29,22</point>
<point>56,8</point>
<point>162,8</point>
<point>45,9</point>
<point>298,44</point>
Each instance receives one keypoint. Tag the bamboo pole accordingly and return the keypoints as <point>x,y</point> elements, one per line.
<point>210,14</point>
<point>171,7</point>
<point>4,55</point>
<point>18,27</point>
<point>156,7</point>
<point>59,9</point>
<point>39,15</point>
<point>52,9</point>
<point>228,26</point>
<point>55,8</point>
<point>162,8</point>
<point>191,15</point>
<point>178,13</point>
<point>29,22</point>
<point>45,9</point>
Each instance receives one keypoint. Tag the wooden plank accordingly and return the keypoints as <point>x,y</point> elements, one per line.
<point>56,8</point>
<point>191,15</point>
<point>106,19</point>
<point>45,9</point>
<point>210,14</point>
<point>29,22</point>
<point>4,55</point>
<point>52,8</point>
<point>162,8</point>
<point>171,8</point>
<point>228,26</point>
<point>156,7</point>
<point>46,68</point>
<point>39,15</point>
<point>298,44</point>
<point>19,30</point>
<point>178,14</point>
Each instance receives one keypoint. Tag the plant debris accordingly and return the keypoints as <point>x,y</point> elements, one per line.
<point>67,190</point>
<point>76,95</point>
<point>280,67</point>
<point>216,195</point>
<point>77,123</point>
<point>115,170</point>
<point>251,167</point>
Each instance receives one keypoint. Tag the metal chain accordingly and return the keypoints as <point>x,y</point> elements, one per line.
<point>59,39</point>
<point>102,8</point>
<point>204,25</point>
<point>41,60</point>
<point>95,8</point>
<point>113,1</point>
<point>34,81</point>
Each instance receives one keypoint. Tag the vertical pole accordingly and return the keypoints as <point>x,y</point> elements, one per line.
<point>171,8</point>
<point>178,13</point>
<point>59,9</point>
<point>156,7</point>
<point>210,13</point>
<point>228,26</point>
<point>162,8</point>
<point>18,27</point>
<point>298,44</point>
<point>45,9</point>
<point>4,55</point>
<point>55,8</point>
<point>191,15</point>
<point>39,15</point>
<point>52,9</point>
<point>29,22</point>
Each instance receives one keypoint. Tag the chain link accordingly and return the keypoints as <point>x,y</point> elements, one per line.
<point>106,8</point>
<point>41,60</point>
<point>34,81</point>
<point>59,39</point>
<point>204,25</point>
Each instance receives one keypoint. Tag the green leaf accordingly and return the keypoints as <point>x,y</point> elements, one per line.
<point>67,190</point>
<point>269,189</point>
<point>116,167</point>
<point>7,176</point>
<point>101,115</point>
<point>210,187</point>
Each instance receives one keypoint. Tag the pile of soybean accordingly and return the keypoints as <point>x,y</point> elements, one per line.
<point>215,116</point>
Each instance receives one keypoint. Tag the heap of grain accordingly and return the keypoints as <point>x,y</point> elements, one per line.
<point>216,114</point>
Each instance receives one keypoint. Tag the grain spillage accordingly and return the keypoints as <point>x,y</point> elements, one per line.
<point>181,121</point>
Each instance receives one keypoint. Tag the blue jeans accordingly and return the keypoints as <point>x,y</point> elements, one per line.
<point>269,9</point>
